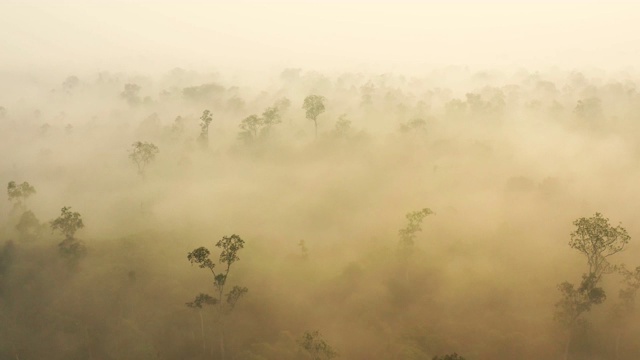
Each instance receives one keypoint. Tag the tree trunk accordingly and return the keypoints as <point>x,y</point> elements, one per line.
<point>315,122</point>
<point>222,352</point>
<point>567,346</point>
<point>204,344</point>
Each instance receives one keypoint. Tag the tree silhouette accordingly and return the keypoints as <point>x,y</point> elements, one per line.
<point>408,234</point>
<point>254,127</point>
<point>315,346</point>
<point>314,106</point>
<point>68,223</point>
<point>19,192</point>
<point>225,303</point>
<point>142,154</point>
<point>205,121</point>
<point>597,240</point>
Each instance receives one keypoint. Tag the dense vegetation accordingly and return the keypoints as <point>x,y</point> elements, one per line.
<point>452,216</point>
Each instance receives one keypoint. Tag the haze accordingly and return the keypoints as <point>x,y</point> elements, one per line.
<point>384,36</point>
<point>318,180</point>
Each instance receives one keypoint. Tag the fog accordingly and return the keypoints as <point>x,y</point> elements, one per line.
<point>322,35</point>
<point>406,180</point>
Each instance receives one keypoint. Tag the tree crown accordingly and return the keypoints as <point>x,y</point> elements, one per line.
<point>67,223</point>
<point>17,191</point>
<point>314,106</point>
<point>597,240</point>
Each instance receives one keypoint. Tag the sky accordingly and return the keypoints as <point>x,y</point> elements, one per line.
<point>347,34</point>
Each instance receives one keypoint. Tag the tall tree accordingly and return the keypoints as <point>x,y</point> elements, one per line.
<point>142,154</point>
<point>19,192</point>
<point>68,223</point>
<point>225,303</point>
<point>205,121</point>
<point>597,240</point>
<point>254,127</point>
<point>314,106</point>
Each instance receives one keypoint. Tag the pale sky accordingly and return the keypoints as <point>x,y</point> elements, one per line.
<point>145,34</point>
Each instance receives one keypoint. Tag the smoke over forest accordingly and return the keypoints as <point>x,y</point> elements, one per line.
<point>295,211</point>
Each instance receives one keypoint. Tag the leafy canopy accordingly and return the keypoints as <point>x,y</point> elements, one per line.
<point>598,240</point>
<point>314,106</point>
<point>229,245</point>
<point>67,223</point>
<point>19,191</point>
<point>142,154</point>
<point>313,343</point>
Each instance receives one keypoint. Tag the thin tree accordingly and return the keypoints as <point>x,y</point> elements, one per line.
<point>406,245</point>
<point>597,240</point>
<point>314,106</point>
<point>205,121</point>
<point>142,154</point>
<point>408,234</point>
<point>225,303</point>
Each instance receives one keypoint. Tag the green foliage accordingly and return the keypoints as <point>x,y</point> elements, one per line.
<point>202,299</point>
<point>414,222</point>
<point>72,248</point>
<point>142,154</point>
<point>200,256</point>
<point>254,127</point>
<point>205,121</point>
<point>229,245</point>
<point>19,192</point>
<point>576,301</point>
<point>234,295</point>
<point>29,226</point>
<point>343,128</point>
<point>313,343</point>
<point>598,240</point>
<point>250,127</point>
<point>271,116</point>
<point>314,106</point>
<point>67,223</point>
